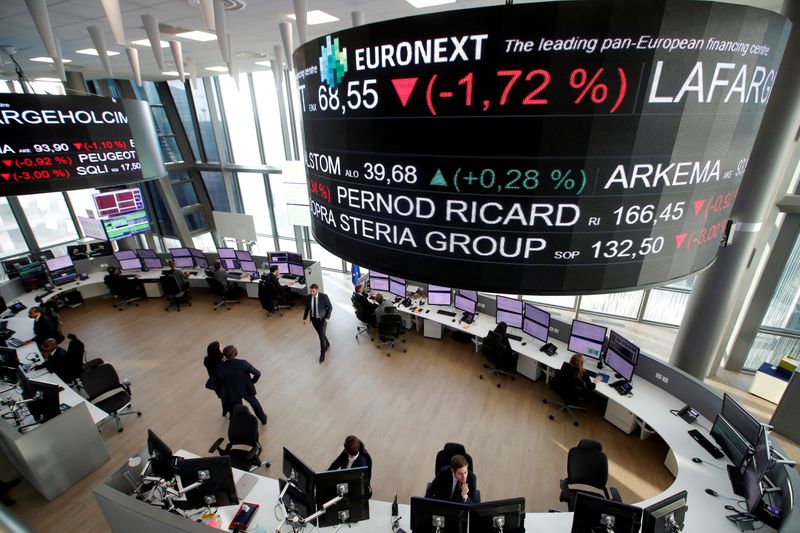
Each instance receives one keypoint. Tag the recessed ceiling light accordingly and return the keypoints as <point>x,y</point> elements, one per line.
<point>49,80</point>
<point>198,35</point>
<point>428,3</point>
<point>45,59</point>
<point>93,52</point>
<point>318,17</point>
<point>146,42</point>
<point>264,63</point>
<point>169,73</point>
<point>217,69</point>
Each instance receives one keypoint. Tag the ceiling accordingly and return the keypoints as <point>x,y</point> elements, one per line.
<point>254,30</point>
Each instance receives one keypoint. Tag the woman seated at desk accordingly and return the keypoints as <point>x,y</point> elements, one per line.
<point>577,361</point>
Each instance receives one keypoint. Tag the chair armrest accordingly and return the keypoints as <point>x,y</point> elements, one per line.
<point>92,364</point>
<point>615,495</point>
<point>566,493</point>
<point>252,454</point>
<point>126,384</point>
<point>216,445</point>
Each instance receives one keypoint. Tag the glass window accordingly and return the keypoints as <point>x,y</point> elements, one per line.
<point>288,245</point>
<point>185,193</point>
<point>625,304</point>
<point>196,220</point>
<point>240,119</point>
<point>328,260</point>
<point>205,125</point>
<point>665,307</point>
<point>768,348</point>
<point>784,309</point>
<point>83,202</point>
<point>556,301</point>
<point>171,243</point>
<point>11,240</point>
<point>204,242</point>
<point>215,187</point>
<point>269,117</point>
<point>254,198</point>
<point>49,218</point>
<point>178,91</point>
<point>160,209</point>
<point>281,212</point>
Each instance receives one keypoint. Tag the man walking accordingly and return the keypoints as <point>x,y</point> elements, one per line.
<point>235,380</point>
<point>318,305</point>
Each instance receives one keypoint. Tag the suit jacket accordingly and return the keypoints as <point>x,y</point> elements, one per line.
<point>441,487</point>
<point>364,302</point>
<point>324,306</point>
<point>57,363</point>
<point>341,461</point>
<point>44,328</point>
<point>272,279</point>
<point>234,379</point>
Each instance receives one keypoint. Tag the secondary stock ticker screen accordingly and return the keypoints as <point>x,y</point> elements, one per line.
<point>57,143</point>
<point>553,147</point>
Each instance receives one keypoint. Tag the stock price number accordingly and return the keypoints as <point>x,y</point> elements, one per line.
<point>647,214</point>
<point>627,249</point>
<point>398,174</point>
<point>357,94</point>
<point>55,147</point>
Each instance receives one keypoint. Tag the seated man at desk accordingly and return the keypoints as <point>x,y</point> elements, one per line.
<point>363,301</point>
<point>220,274</point>
<point>56,359</point>
<point>351,456</point>
<point>454,483</point>
<point>180,276</point>
<point>382,306</point>
<point>273,279</point>
<point>126,285</point>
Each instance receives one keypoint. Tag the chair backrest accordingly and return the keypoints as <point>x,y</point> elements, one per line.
<point>361,313</point>
<point>243,427</point>
<point>99,380</point>
<point>493,347</point>
<point>587,464</point>
<point>216,286</point>
<point>568,384</point>
<point>391,325</point>
<point>445,454</point>
<point>76,351</point>
<point>169,283</point>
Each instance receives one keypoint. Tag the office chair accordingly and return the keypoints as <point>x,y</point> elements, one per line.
<point>223,291</point>
<point>76,351</point>
<point>363,315</point>
<point>570,389</point>
<point>500,360</point>
<point>102,380</point>
<point>243,432</point>
<point>587,464</point>
<point>270,298</point>
<point>342,459</point>
<point>122,289</point>
<point>450,449</point>
<point>174,293</point>
<point>390,328</point>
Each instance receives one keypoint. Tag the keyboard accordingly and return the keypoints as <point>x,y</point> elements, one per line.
<point>446,313</point>
<point>715,452</point>
<point>234,274</point>
<point>737,481</point>
<point>14,343</point>
<point>288,276</point>
<point>514,337</point>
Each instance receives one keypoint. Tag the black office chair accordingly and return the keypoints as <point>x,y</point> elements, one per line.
<point>242,432</point>
<point>271,299</point>
<point>367,319</point>
<point>569,387</point>
<point>500,360</point>
<point>99,383</point>
<point>122,289</point>
<point>76,352</point>
<point>587,464</point>
<point>225,292</point>
<point>390,329</point>
<point>343,458</point>
<point>175,294</point>
<point>450,449</point>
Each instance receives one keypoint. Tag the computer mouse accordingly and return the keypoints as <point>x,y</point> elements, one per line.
<point>524,343</point>
<point>427,311</point>
<point>696,460</point>
<point>712,492</point>
<point>453,320</point>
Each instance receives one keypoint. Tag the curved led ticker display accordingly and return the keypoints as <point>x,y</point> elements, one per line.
<point>559,147</point>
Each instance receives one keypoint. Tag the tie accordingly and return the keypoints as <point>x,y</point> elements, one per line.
<point>314,308</point>
<point>456,496</point>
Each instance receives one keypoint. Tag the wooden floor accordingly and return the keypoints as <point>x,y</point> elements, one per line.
<point>404,408</point>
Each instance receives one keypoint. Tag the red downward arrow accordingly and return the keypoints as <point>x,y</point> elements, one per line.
<point>680,238</point>
<point>404,87</point>
<point>77,145</point>
<point>5,176</point>
<point>698,206</point>
<point>7,162</point>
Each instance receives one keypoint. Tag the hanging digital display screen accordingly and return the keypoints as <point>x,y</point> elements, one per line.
<point>557,147</point>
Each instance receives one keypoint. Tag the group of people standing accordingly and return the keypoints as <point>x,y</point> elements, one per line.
<point>232,379</point>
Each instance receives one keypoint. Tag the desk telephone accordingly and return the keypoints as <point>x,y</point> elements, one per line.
<point>549,349</point>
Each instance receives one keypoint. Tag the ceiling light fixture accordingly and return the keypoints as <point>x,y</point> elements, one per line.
<point>92,52</point>
<point>49,80</point>
<point>197,35</point>
<point>217,69</point>
<point>146,42</point>
<point>317,17</point>
<point>45,59</point>
<point>419,4</point>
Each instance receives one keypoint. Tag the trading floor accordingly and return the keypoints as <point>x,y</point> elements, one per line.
<point>404,407</point>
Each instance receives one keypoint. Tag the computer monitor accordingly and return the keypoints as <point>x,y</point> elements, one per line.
<point>535,330</point>
<point>9,375</point>
<point>620,365</point>
<point>753,490</point>
<point>11,266</point>
<point>283,268</point>
<point>98,249</point>
<point>162,463</point>
<point>438,295</point>
<point>297,270</point>
<point>33,276</point>
<point>248,266</point>
<point>292,257</point>
<point>9,357</point>
<point>431,516</point>
<point>153,262</point>
<point>509,310</point>
<point>762,455</point>
<point>47,406</point>
<point>130,264</point>
<point>180,252</point>
<point>296,471</point>
<point>501,515</point>
<point>623,347</point>
<point>733,445</point>
<point>201,262</point>
<point>378,281</point>
<point>195,252</point>
<point>77,251</point>
<point>397,286</point>
<point>465,304</point>
<point>472,295</point>
<point>183,262</point>
<point>296,503</point>
<point>243,255</point>
<point>666,516</point>
<point>125,254</point>
<point>742,421</point>
<point>122,226</point>
<point>593,513</point>
<point>226,253</point>
<point>217,487</point>
<point>278,257</point>
<point>352,484</point>
<point>146,253</point>
<point>61,270</point>
<point>586,339</point>
<point>93,228</point>
<point>229,264</point>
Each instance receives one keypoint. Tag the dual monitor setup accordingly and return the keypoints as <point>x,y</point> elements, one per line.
<point>38,398</point>
<point>122,214</point>
<point>619,354</point>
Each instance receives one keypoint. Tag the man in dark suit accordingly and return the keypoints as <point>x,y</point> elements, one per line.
<point>235,380</point>
<point>454,483</point>
<point>43,327</point>
<point>56,359</point>
<point>273,279</point>
<point>351,456</point>
<point>318,305</point>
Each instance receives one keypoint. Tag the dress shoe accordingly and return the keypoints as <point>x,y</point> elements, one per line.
<point>322,357</point>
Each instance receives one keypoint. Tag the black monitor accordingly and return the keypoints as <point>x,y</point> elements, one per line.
<point>8,357</point>
<point>535,330</point>
<point>296,471</point>
<point>243,255</point>
<point>11,266</point>
<point>735,447</point>
<point>762,455</point>
<point>183,262</point>
<point>294,258</point>
<point>378,281</point>
<point>619,364</point>
<point>465,304</point>
<point>229,264</point>
<point>33,276</point>
<point>180,252</point>
<point>430,516</point>
<point>128,260</point>
<point>742,421</point>
<point>77,251</point>
<point>201,262</point>
<point>438,295</point>
<point>753,491</point>
<point>509,310</point>
<point>501,515</point>
<point>296,503</point>
<point>248,266</point>
<point>97,249</point>
<point>297,269</point>
<point>623,347</point>
<point>9,375</point>
<point>283,268</point>
<point>194,252</point>
<point>666,516</point>
<point>226,253</point>
<point>472,295</point>
<point>146,253</point>
<point>152,262</point>
<point>599,515</point>
<point>352,484</point>
<point>586,339</point>
<point>278,257</point>
<point>162,463</point>
<point>217,487</point>
<point>61,270</point>
<point>47,406</point>
<point>397,286</point>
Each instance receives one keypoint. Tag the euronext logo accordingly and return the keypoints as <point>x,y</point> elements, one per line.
<point>332,62</point>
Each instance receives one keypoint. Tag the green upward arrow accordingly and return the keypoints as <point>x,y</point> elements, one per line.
<point>438,179</point>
